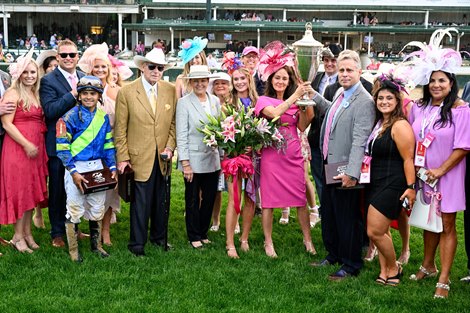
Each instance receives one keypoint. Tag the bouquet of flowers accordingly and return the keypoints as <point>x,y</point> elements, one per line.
<point>234,131</point>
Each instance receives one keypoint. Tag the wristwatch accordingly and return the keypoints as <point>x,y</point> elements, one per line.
<point>411,186</point>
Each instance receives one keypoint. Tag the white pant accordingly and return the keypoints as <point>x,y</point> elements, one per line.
<point>90,206</point>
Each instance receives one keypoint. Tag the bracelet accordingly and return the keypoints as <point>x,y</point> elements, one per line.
<point>187,165</point>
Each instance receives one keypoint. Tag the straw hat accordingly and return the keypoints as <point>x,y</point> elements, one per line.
<point>44,55</point>
<point>199,71</point>
<point>155,56</point>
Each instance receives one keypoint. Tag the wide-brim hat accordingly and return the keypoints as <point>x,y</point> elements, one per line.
<point>192,47</point>
<point>93,52</point>
<point>199,71</point>
<point>155,56</point>
<point>44,55</point>
<point>17,68</point>
<point>219,76</point>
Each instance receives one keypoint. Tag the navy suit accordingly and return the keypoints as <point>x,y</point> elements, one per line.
<point>56,100</point>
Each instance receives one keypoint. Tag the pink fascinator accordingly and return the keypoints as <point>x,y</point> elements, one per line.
<point>93,52</point>
<point>273,57</point>
<point>17,68</point>
<point>230,62</point>
<point>124,71</point>
<point>431,58</point>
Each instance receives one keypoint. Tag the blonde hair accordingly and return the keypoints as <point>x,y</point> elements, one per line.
<point>65,42</point>
<point>350,55</point>
<point>252,94</point>
<point>22,92</point>
<point>187,67</point>
<point>119,80</point>
<point>109,76</point>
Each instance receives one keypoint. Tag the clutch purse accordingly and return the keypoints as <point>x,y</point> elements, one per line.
<point>426,216</point>
<point>99,180</point>
<point>126,185</point>
<point>334,169</point>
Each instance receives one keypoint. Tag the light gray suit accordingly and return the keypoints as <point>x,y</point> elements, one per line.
<point>342,226</point>
<point>189,114</point>
<point>350,129</point>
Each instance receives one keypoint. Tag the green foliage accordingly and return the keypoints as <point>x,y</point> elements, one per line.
<point>188,280</point>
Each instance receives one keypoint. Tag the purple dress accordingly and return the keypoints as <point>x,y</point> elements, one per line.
<point>455,136</point>
<point>282,181</point>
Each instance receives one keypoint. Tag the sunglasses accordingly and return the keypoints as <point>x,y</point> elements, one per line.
<point>152,67</point>
<point>64,55</point>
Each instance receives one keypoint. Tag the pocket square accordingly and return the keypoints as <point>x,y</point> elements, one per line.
<point>167,107</point>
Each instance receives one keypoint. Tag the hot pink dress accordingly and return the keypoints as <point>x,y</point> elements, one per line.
<point>453,136</point>
<point>282,180</point>
<point>23,180</point>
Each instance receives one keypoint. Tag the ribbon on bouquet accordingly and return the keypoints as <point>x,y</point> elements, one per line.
<point>434,207</point>
<point>232,167</point>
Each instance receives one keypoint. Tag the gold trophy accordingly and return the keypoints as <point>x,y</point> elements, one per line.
<point>307,50</point>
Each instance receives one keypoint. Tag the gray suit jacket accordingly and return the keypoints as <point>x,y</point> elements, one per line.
<point>189,114</point>
<point>350,129</point>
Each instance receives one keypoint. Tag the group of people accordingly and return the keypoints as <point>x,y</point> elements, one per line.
<point>372,132</point>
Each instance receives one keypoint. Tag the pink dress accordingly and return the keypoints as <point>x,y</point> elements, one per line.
<point>455,136</point>
<point>23,180</point>
<point>282,180</point>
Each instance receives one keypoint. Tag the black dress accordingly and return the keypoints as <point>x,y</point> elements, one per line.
<point>388,181</point>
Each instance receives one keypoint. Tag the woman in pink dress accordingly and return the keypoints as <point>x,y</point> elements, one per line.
<point>282,179</point>
<point>23,162</point>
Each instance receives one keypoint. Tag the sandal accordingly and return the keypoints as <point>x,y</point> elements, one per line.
<point>310,248</point>
<point>214,228</point>
<point>232,252</point>
<point>269,250</point>
<point>404,257</point>
<point>425,274</point>
<point>237,229</point>
<point>14,245</point>
<point>380,280</point>
<point>314,219</point>
<point>244,246</point>
<point>196,244</point>
<point>38,221</point>
<point>442,286</point>
<point>284,220</point>
<point>31,243</point>
<point>206,241</point>
<point>395,280</point>
<point>371,254</point>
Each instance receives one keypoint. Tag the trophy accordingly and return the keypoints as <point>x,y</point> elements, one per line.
<point>306,51</point>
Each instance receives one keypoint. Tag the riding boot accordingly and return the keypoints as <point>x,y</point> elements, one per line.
<point>71,230</point>
<point>95,239</point>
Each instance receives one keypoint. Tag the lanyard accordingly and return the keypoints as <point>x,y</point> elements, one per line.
<point>373,136</point>
<point>428,121</point>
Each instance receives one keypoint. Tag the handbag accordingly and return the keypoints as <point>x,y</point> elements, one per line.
<point>427,216</point>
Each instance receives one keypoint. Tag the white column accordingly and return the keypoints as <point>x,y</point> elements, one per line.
<point>5,28</point>
<point>355,17</point>
<point>368,46</point>
<point>345,41</point>
<point>259,38</point>
<point>172,36</point>
<point>284,15</point>
<point>146,15</point>
<point>125,39</point>
<point>214,12</point>
<point>426,19</point>
<point>120,30</point>
<point>29,25</point>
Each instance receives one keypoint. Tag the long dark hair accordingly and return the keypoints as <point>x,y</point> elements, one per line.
<point>291,87</point>
<point>446,115</point>
<point>397,113</point>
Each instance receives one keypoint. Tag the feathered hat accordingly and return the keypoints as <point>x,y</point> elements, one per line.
<point>191,47</point>
<point>431,58</point>
<point>230,62</point>
<point>124,71</point>
<point>273,57</point>
<point>17,68</point>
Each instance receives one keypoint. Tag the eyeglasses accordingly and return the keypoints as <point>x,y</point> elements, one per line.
<point>152,67</point>
<point>64,55</point>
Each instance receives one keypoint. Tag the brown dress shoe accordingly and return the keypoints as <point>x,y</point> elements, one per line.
<point>58,242</point>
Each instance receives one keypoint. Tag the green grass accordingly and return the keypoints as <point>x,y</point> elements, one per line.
<point>188,280</point>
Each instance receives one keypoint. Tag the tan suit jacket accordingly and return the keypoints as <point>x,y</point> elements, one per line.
<point>138,131</point>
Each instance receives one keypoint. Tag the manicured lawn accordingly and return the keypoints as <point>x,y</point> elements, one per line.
<point>188,280</point>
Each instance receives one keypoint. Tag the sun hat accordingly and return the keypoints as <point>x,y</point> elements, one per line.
<point>199,71</point>
<point>44,55</point>
<point>155,56</point>
<point>124,71</point>
<point>250,49</point>
<point>273,57</point>
<point>93,52</point>
<point>90,83</point>
<point>191,47</point>
<point>17,68</point>
<point>219,76</point>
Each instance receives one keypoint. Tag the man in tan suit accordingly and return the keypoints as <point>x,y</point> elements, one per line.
<point>144,129</point>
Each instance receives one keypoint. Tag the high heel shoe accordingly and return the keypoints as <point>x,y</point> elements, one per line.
<point>310,248</point>
<point>232,252</point>
<point>38,221</point>
<point>269,250</point>
<point>284,220</point>
<point>31,243</point>
<point>14,245</point>
<point>404,257</point>
<point>237,229</point>
<point>196,244</point>
<point>244,246</point>
<point>371,255</point>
